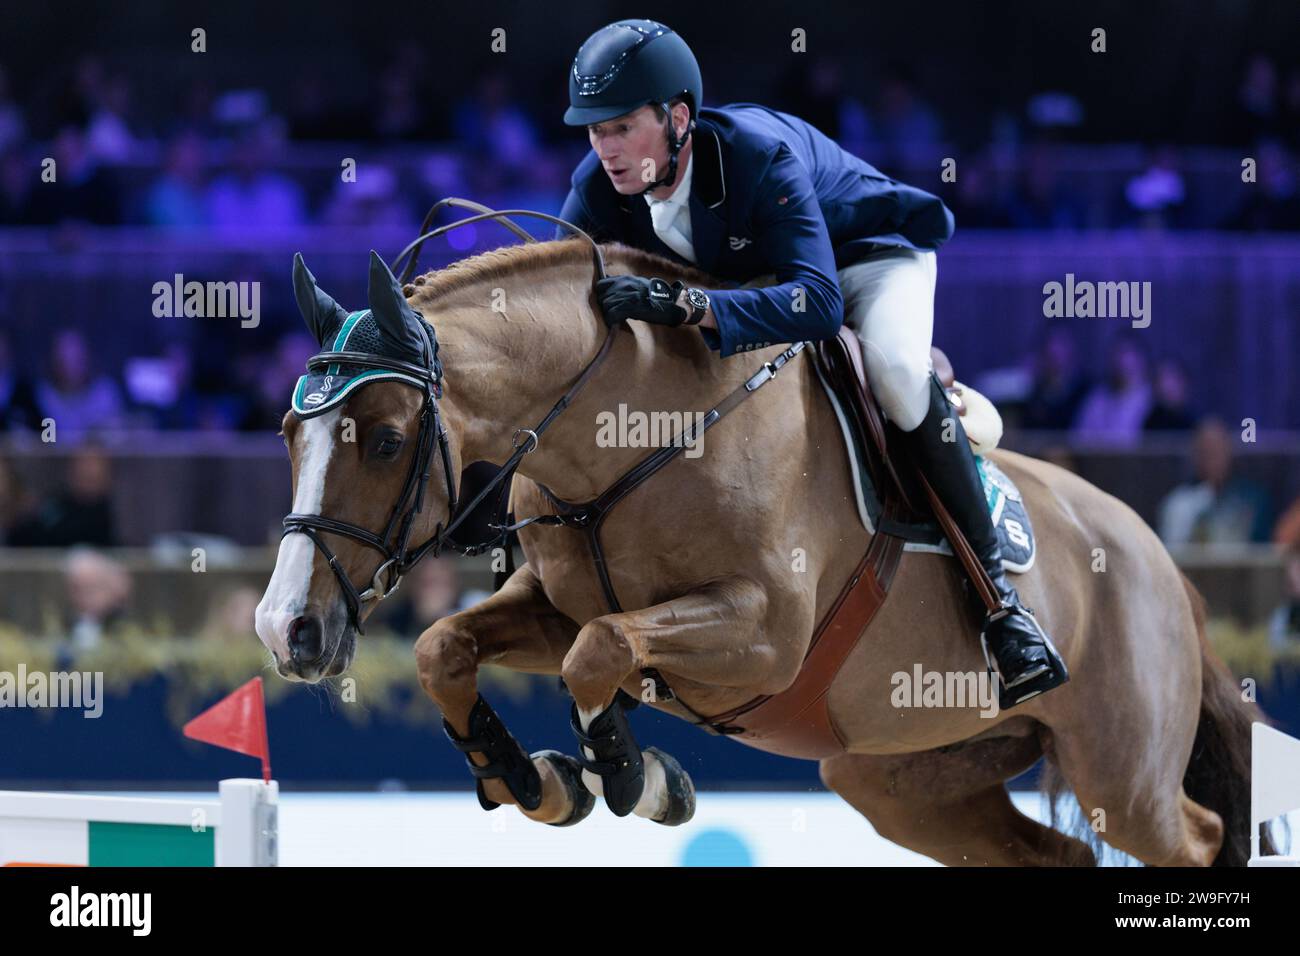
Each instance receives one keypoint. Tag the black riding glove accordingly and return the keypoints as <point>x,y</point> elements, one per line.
<point>632,297</point>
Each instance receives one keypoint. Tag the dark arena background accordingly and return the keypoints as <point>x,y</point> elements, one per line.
<point>1148,150</point>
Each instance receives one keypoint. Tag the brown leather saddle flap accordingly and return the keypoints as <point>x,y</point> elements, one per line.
<point>797,722</point>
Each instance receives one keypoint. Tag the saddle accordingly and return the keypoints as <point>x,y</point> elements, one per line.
<point>796,722</point>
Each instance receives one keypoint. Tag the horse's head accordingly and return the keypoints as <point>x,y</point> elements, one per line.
<point>363,439</point>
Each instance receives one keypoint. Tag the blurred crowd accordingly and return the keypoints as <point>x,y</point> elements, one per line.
<point>225,159</point>
<point>1215,507</point>
<point>233,160</point>
<point>222,384</point>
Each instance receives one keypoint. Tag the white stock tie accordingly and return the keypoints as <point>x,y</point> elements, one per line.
<point>671,217</point>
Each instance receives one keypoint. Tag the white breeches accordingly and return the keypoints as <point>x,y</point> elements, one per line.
<point>889,302</point>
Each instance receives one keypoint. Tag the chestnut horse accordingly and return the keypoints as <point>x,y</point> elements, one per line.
<point>701,557</point>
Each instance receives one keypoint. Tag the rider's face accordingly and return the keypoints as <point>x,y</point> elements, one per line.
<point>633,149</point>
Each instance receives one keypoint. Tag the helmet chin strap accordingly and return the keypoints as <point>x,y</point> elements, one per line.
<point>674,147</point>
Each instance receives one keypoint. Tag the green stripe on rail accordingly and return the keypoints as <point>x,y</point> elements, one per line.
<point>150,844</point>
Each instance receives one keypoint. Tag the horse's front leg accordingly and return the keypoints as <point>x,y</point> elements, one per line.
<point>714,636</point>
<point>516,628</point>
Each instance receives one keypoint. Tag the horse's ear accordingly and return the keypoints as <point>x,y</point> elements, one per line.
<point>397,321</point>
<point>322,314</point>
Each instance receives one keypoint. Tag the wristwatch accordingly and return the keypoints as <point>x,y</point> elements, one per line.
<point>698,300</point>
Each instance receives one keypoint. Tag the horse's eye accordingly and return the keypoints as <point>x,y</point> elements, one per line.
<point>388,447</point>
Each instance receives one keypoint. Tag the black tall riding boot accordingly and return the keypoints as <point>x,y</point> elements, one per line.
<point>1026,660</point>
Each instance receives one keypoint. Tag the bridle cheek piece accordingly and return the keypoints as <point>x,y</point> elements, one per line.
<point>394,543</point>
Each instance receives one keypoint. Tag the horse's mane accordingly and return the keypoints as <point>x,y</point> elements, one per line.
<point>519,260</point>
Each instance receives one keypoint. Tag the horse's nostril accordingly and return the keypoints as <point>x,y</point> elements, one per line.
<point>305,639</point>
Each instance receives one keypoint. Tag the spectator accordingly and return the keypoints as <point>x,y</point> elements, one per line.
<point>903,123</point>
<point>18,406</point>
<point>18,175</point>
<point>1155,197</point>
<point>1287,532</point>
<point>1273,200</point>
<point>81,190</point>
<point>98,591</point>
<point>434,592</point>
<point>82,513</point>
<point>495,129</point>
<point>372,200</point>
<point>1216,507</point>
<point>108,136</point>
<point>178,197</point>
<point>230,614</point>
<point>1291,108</point>
<point>317,112</point>
<point>1115,410</point>
<point>1284,626</point>
<point>274,380</point>
<point>399,113</point>
<point>814,88</point>
<point>13,128</point>
<point>1040,198</point>
<point>1258,111</point>
<point>977,202</point>
<point>250,197</point>
<point>1059,384</point>
<point>1171,410</point>
<point>15,503</point>
<point>72,395</point>
<point>161,388</point>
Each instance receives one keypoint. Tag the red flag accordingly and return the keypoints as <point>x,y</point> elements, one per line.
<point>237,722</point>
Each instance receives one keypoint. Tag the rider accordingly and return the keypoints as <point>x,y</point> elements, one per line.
<point>772,194</point>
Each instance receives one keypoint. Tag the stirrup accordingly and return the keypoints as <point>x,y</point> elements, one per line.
<point>1035,682</point>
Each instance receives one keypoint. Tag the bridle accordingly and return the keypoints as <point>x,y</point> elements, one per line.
<point>393,543</point>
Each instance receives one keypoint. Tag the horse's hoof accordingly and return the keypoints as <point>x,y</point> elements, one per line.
<point>570,773</point>
<point>680,790</point>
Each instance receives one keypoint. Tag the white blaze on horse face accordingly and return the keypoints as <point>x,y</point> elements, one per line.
<point>286,594</point>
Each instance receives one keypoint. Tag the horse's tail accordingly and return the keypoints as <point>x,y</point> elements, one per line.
<point>1218,772</point>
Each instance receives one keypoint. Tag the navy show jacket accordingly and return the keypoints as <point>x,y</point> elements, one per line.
<point>770,193</point>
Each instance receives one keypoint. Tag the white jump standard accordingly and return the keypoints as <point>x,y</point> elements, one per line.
<point>67,829</point>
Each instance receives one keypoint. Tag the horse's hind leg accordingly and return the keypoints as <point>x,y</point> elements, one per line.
<point>1125,758</point>
<point>1137,798</point>
<point>952,805</point>
<point>517,628</point>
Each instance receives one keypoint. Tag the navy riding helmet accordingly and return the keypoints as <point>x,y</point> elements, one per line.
<point>628,64</point>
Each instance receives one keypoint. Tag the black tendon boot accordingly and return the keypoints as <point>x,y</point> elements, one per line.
<point>1026,659</point>
<point>617,761</point>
